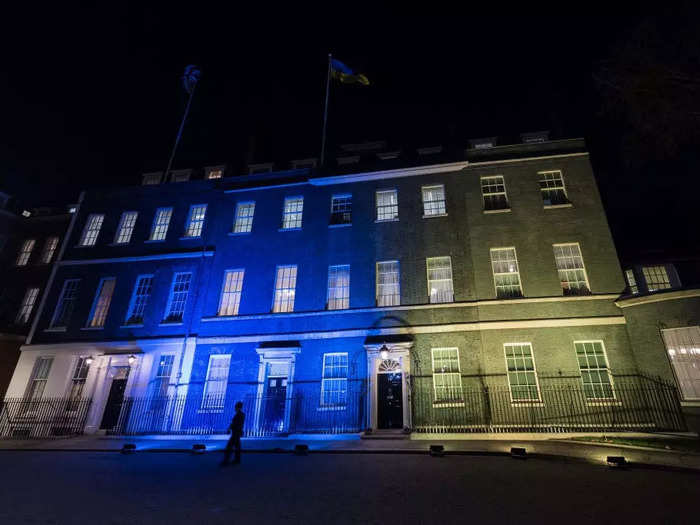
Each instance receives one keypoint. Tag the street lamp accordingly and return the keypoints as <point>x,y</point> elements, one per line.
<point>384,352</point>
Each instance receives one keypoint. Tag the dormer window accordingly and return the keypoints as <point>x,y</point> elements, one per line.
<point>351,159</point>
<point>430,150</point>
<point>304,164</point>
<point>389,155</point>
<point>254,169</point>
<point>214,173</point>
<point>485,143</point>
<point>150,179</point>
<point>180,175</point>
<point>534,137</point>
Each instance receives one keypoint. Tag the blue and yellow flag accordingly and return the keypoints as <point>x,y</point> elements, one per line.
<point>346,75</point>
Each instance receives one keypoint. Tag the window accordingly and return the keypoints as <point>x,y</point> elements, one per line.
<point>92,229</point>
<point>552,188</point>
<point>161,222</point>
<point>178,297</point>
<point>291,215</point>
<point>341,209</point>
<point>216,173</point>
<point>37,383</point>
<point>334,385</point>
<point>631,282</point>
<point>285,289</point>
<point>388,285</point>
<point>161,381</point>
<point>572,273</point>
<point>25,252</point>
<point>49,249</point>
<point>338,287</point>
<point>150,179</point>
<point>100,306</point>
<point>387,205</point>
<point>215,384</point>
<point>180,175</point>
<point>66,304</point>
<point>522,377</point>
<point>434,200</point>
<point>139,299</point>
<point>80,373</point>
<point>447,380</point>
<point>683,347</point>
<point>195,220</point>
<point>244,217</point>
<point>27,306</point>
<point>440,279</point>
<point>597,383</point>
<point>126,227</point>
<point>506,274</point>
<point>656,278</point>
<point>493,189</point>
<point>231,292</point>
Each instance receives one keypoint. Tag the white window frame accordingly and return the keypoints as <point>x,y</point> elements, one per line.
<point>59,311</point>
<point>30,393</point>
<point>206,404</point>
<point>598,369</point>
<point>500,274</point>
<point>560,270</point>
<point>139,300</point>
<point>27,306</point>
<point>436,207</point>
<point>437,400</point>
<point>397,295</point>
<point>683,350</point>
<point>631,282</point>
<point>171,299</point>
<point>656,278</point>
<point>161,382</point>
<point>451,291</point>
<point>101,302</point>
<point>243,222</point>
<point>50,247</point>
<point>293,213</point>
<point>387,212</point>
<point>487,184</point>
<point>338,297</point>
<point>81,369</point>
<point>231,291</point>
<point>25,252</point>
<point>341,205</point>
<point>334,380</point>
<point>545,187</point>
<point>92,229</point>
<point>281,304</point>
<point>194,225</point>
<point>520,401</point>
<point>160,227</point>
<point>125,230</point>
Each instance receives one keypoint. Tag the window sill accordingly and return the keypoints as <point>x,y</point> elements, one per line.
<point>85,245</point>
<point>190,238</point>
<point>55,329</point>
<point>448,404</point>
<point>344,225</point>
<point>289,229</point>
<point>386,220</point>
<point>555,206</point>
<point>179,323</point>
<point>502,210</point>
<point>210,411</point>
<point>150,241</point>
<point>331,408</point>
<point>604,403</point>
<point>92,328</point>
<point>127,326</point>
<point>435,215</point>
<point>236,234</point>
<point>691,403</point>
<point>118,244</point>
<point>526,404</point>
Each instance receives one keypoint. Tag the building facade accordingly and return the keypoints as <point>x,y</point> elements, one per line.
<point>467,292</point>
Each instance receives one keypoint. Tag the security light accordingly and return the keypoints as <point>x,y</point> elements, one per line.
<point>384,352</point>
<point>88,360</point>
<point>132,359</point>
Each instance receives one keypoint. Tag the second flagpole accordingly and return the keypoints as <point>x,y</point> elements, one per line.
<point>325,112</point>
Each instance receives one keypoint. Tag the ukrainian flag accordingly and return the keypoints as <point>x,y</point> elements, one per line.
<point>346,75</point>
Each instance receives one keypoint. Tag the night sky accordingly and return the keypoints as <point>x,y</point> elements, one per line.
<point>93,97</point>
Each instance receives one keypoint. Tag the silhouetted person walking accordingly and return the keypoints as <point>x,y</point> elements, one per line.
<point>236,431</point>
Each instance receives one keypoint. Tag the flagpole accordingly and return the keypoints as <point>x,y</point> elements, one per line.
<point>325,112</point>
<point>179,133</point>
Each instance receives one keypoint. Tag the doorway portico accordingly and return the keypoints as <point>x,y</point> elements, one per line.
<point>388,378</point>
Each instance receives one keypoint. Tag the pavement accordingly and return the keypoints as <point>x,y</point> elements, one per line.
<point>544,446</point>
<point>172,488</point>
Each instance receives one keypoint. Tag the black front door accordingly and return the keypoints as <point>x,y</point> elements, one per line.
<point>390,396</point>
<point>110,418</point>
<point>273,416</point>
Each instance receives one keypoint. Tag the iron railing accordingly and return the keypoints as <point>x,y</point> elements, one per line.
<point>639,403</point>
<point>42,418</point>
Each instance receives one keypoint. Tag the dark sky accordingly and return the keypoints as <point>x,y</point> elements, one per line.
<point>93,97</point>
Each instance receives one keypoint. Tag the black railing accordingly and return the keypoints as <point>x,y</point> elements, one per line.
<point>638,404</point>
<point>42,418</point>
